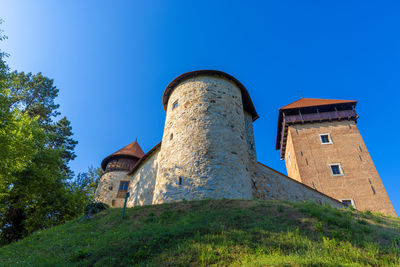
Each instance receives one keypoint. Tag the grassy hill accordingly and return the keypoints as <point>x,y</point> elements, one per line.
<point>215,232</point>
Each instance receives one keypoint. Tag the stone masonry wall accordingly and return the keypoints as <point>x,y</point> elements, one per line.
<point>143,180</point>
<point>251,143</point>
<point>270,184</point>
<point>204,151</point>
<point>108,188</point>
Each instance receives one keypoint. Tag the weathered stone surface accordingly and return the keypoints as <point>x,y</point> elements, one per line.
<point>251,143</point>
<point>108,188</point>
<point>204,152</point>
<point>207,151</point>
<point>270,184</point>
<point>142,182</point>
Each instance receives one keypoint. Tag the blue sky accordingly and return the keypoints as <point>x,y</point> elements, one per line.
<point>112,60</point>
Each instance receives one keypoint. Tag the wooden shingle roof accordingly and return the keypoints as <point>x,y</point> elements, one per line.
<point>133,150</point>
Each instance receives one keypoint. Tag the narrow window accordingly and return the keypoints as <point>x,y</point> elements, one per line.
<point>336,169</point>
<point>325,138</point>
<point>123,188</point>
<point>348,202</point>
<point>373,189</point>
<point>359,147</point>
<point>360,157</point>
<point>171,136</point>
<point>180,180</point>
<point>301,153</point>
<point>175,105</point>
<point>307,162</point>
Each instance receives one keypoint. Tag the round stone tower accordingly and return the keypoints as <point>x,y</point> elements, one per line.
<point>205,152</point>
<point>115,181</point>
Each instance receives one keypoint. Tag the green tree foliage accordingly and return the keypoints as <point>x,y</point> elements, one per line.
<point>86,183</point>
<point>34,95</point>
<point>35,148</point>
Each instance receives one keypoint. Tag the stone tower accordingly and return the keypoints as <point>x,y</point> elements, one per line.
<point>208,140</point>
<point>322,148</point>
<point>114,183</point>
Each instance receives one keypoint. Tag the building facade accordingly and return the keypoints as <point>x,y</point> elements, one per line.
<point>207,151</point>
<point>323,148</point>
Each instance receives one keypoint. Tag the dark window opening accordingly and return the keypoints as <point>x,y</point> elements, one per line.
<point>325,139</point>
<point>307,162</point>
<point>180,180</point>
<point>175,105</point>
<point>360,157</point>
<point>301,152</point>
<point>347,202</point>
<point>123,189</point>
<point>373,189</point>
<point>359,147</point>
<point>171,136</point>
<point>336,169</point>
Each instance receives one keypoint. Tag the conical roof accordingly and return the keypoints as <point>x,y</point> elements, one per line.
<point>311,102</point>
<point>133,150</point>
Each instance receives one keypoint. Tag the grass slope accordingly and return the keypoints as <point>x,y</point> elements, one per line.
<point>216,232</point>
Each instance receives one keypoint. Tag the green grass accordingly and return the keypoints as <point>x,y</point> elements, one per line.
<point>216,232</point>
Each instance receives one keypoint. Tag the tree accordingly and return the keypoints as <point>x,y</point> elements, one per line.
<point>86,183</point>
<point>35,95</point>
<point>35,148</point>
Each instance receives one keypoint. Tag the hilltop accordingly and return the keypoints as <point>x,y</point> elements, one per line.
<point>215,232</point>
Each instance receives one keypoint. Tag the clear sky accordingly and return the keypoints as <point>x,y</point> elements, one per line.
<point>112,60</point>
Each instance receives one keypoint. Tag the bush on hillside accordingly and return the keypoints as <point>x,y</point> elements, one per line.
<point>95,207</point>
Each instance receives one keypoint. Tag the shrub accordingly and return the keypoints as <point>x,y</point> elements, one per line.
<point>95,207</point>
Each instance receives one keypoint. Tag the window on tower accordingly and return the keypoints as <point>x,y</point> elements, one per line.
<point>123,188</point>
<point>348,202</point>
<point>325,138</point>
<point>175,105</point>
<point>336,169</point>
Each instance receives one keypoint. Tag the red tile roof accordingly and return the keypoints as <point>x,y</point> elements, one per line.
<point>306,103</point>
<point>140,161</point>
<point>310,102</point>
<point>133,150</point>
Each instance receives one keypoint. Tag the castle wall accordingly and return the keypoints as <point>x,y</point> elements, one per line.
<point>291,161</point>
<point>251,143</point>
<point>204,151</point>
<point>143,180</point>
<point>108,188</point>
<point>270,184</point>
<point>360,180</point>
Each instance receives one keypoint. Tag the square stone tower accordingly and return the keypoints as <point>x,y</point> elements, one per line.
<point>322,148</point>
